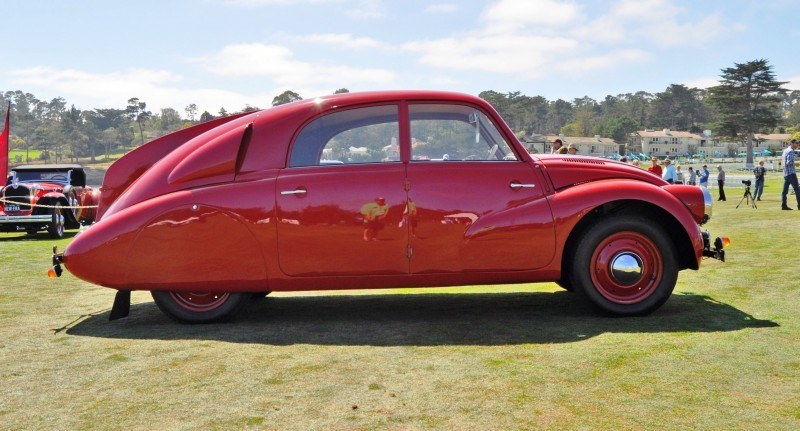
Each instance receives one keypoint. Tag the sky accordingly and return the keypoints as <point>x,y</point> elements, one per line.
<point>232,53</point>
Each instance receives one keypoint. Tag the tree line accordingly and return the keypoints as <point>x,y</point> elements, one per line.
<point>748,100</point>
<point>58,132</point>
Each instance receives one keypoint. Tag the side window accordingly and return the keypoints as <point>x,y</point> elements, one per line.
<point>362,135</point>
<point>455,132</point>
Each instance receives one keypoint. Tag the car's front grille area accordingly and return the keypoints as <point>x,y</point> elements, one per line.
<point>20,195</point>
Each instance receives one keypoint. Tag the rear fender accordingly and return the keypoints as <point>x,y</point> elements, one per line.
<point>127,169</point>
<point>172,242</point>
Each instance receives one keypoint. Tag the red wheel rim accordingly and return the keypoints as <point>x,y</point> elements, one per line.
<point>632,246</point>
<point>199,301</point>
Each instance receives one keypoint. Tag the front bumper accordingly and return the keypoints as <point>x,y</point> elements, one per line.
<point>714,250</point>
<point>11,219</point>
<point>708,203</point>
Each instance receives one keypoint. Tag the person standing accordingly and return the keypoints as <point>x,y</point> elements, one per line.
<point>760,172</point>
<point>669,172</point>
<point>789,175</point>
<point>692,177</point>
<point>655,169</point>
<point>572,149</point>
<point>704,174</point>
<point>556,145</point>
<point>679,179</point>
<point>721,182</point>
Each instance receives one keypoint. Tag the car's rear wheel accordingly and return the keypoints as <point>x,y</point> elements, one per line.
<point>200,307</point>
<point>625,265</point>
<point>56,228</point>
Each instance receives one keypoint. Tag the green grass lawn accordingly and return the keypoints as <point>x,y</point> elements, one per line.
<point>33,156</point>
<point>723,353</point>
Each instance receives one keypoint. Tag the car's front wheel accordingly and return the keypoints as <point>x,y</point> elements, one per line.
<point>56,228</point>
<point>625,265</point>
<point>200,307</point>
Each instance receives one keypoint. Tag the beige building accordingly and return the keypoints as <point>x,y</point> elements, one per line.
<point>666,142</point>
<point>772,141</point>
<point>669,142</point>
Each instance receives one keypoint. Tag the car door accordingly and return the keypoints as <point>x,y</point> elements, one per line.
<point>340,201</point>
<point>473,206</point>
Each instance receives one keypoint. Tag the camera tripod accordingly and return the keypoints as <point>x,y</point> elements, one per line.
<point>747,198</point>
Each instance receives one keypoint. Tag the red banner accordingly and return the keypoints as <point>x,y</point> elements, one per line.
<point>4,149</point>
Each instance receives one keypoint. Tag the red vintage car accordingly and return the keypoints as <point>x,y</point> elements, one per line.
<point>47,197</point>
<point>380,190</point>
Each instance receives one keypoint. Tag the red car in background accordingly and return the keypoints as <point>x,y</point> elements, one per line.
<point>40,197</point>
<point>380,190</point>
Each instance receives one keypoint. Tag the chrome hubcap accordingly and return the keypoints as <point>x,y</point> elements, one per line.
<point>626,268</point>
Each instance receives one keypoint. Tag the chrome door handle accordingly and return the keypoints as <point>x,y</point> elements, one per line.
<point>516,186</point>
<point>294,192</point>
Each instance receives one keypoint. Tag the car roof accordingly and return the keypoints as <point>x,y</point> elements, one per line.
<point>62,167</point>
<point>345,100</point>
<point>375,96</point>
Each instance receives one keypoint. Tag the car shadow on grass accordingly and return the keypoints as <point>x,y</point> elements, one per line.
<point>421,320</point>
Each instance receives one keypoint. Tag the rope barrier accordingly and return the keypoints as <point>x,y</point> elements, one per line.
<point>71,207</point>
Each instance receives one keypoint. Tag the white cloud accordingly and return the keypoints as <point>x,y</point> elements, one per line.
<point>703,82</point>
<point>586,65</point>
<point>158,88</point>
<point>367,10</point>
<point>659,22</point>
<point>673,33</point>
<point>356,9</point>
<point>343,40</point>
<point>441,8</point>
<point>519,54</point>
<point>794,83</point>
<point>252,60</point>
<point>277,62</point>
<point>532,38</point>
<point>256,3</point>
<point>512,14</point>
<point>645,10</point>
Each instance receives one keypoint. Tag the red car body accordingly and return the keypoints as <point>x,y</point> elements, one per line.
<point>283,200</point>
<point>47,197</point>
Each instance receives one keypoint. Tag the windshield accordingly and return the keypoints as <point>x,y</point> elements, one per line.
<point>30,176</point>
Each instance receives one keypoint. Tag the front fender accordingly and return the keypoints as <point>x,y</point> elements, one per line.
<point>572,205</point>
<point>53,196</point>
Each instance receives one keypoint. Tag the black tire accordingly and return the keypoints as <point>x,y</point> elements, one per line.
<point>71,220</point>
<point>56,227</point>
<point>644,270</point>
<point>260,295</point>
<point>564,284</point>
<point>200,307</point>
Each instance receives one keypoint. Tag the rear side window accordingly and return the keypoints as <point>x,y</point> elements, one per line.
<point>455,132</point>
<point>362,135</point>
